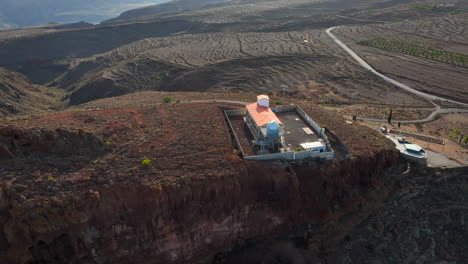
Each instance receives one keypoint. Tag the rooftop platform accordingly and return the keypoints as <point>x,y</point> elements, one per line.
<point>297,131</point>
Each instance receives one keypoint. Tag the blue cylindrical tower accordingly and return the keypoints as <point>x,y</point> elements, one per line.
<point>273,128</point>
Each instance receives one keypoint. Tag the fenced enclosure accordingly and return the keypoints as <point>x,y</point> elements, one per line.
<point>288,155</point>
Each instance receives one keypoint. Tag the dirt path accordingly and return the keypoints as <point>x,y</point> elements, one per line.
<point>430,118</point>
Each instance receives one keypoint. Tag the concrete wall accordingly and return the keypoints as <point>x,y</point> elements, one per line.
<point>285,108</point>
<point>310,121</point>
<point>236,112</point>
<point>286,155</point>
<point>233,132</point>
<point>314,125</point>
<point>292,156</point>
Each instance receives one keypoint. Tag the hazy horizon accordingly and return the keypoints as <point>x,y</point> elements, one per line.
<point>26,13</point>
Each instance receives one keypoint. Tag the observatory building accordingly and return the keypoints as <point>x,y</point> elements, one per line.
<point>264,125</point>
<point>281,132</point>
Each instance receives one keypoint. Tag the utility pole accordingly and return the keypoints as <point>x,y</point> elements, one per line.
<point>390,117</point>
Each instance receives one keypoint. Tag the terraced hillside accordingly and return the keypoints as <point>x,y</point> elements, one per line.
<point>267,47</point>
<point>429,75</point>
<point>224,61</point>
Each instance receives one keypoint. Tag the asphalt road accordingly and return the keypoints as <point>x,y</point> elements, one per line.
<point>388,79</point>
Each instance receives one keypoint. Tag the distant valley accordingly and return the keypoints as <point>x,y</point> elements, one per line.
<point>23,13</point>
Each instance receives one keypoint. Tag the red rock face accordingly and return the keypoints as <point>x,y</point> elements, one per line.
<point>133,223</point>
<point>66,197</point>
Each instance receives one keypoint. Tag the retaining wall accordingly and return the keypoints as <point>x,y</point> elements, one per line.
<point>236,112</point>
<point>226,114</point>
<point>420,137</point>
<point>285,108</point>
<point>292,156</point>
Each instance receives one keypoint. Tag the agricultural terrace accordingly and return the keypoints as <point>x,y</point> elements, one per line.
<point>434,8</point>
<point>419,50</point>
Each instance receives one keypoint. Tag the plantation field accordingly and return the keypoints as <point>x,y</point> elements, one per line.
<point>420,50</point>
<point>430,55</point>
<point>433,8</point>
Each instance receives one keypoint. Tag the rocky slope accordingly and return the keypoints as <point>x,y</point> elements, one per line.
<point>424,221</point>
<point>194,199</point>
<point>421,221</point>
<point>18,95</point>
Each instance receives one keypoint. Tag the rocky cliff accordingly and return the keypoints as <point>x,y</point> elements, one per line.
<point>200,200</point>
<point>134,223</point>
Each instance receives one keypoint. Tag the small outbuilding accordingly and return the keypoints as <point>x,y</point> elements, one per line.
<point>319,146</point>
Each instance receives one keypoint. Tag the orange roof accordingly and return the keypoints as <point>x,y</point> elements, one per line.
<point>262,115</point>
<point>262,96</point>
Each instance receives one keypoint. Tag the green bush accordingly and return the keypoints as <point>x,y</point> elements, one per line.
<point>146,162</point>
<point>299,149</point>
<point>167,99</point>
<point>455,134</point>
<point>465,140</point>
<point>278,102</point>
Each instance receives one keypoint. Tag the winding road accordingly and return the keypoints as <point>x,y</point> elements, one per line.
<point>429,118</point>
<point>386,78</point>
<point>364,64</point>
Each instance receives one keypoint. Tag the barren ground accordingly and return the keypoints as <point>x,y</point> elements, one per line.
<point>214,49</point>
<point>187,140</point>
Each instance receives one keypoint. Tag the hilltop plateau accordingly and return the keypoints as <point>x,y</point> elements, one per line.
<point>73,181</point>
